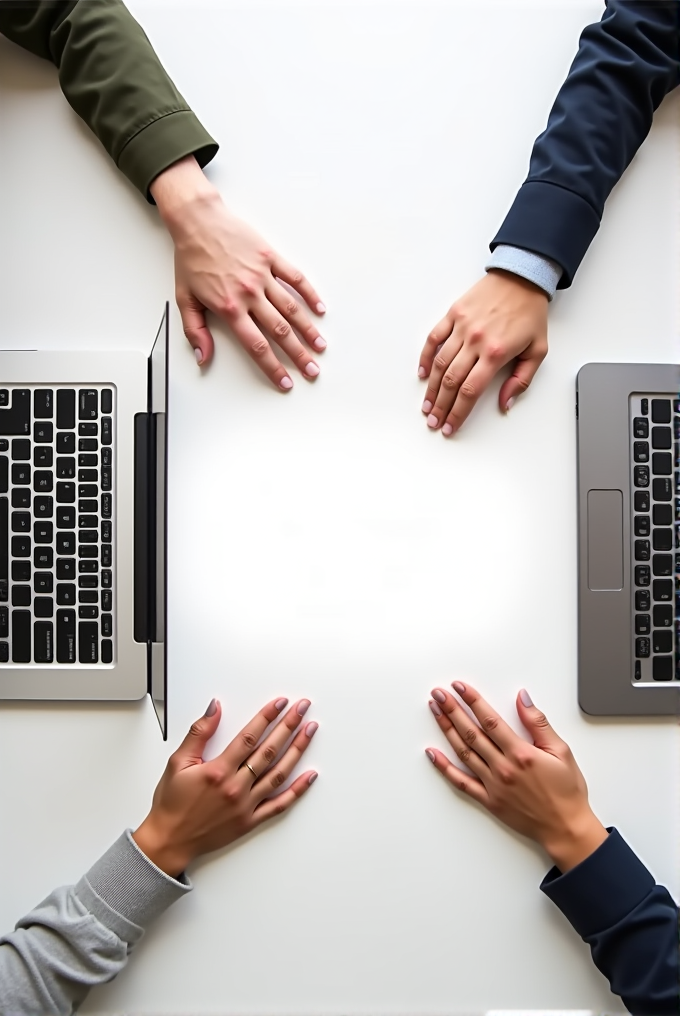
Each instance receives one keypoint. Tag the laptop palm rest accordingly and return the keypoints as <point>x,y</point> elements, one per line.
<point>605,540</point>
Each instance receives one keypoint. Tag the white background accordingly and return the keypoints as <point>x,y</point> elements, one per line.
<point>324,543</point>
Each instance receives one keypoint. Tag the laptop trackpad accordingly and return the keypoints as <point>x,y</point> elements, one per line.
<point>605,539</point>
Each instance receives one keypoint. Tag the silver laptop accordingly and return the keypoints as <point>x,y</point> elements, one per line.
<point>628,423</point>
<point>83,503</point>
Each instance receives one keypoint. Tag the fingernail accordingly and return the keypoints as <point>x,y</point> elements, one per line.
<point>439,695</point>
<point>199,356</point>
<point>311,728</point>
<point>525,698</point>
<point>312,778</point>
<point>427,406</point>
<point>430,754</point>
<point>321,308</point>
<point>303,707</point>
<point>212,708</point>
<point>432,420</point>
<point>320,343</point>
<point>435,708</point>
<point>280,703</point>
<point>421,372</point>
<point>285,383</point>
<point>509,404</point>
<point>311,370</point>
<point>447,430</point>
<point>459,686</point>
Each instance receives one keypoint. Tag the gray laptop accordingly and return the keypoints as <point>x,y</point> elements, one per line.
<point>83,503</point>
<point>628,423</point>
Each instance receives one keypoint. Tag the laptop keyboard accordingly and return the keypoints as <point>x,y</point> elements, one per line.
<point>57,546</point>
<point>655,528</point>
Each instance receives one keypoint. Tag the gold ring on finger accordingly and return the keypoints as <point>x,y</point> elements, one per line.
<point>248,766</point>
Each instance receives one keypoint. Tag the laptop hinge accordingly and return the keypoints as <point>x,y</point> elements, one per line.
<point>144,612</point>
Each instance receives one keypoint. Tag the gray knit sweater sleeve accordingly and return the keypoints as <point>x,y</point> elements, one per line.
<point>81,935</point>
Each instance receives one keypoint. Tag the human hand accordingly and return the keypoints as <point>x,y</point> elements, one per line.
<point>536,789</point>
<point>502,318</point>
<point>223,266</point>
<point>201,806</point>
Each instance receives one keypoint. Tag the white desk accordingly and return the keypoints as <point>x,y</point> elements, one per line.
<point>345,553</point>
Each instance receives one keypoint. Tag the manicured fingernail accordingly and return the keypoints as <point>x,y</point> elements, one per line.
<point>319,343</point>
<point>447,430</point>
<point>311,370</point>
<point>430,754</point>
<point>421,372</point>
<point>285,383</point>
<point>280,703</point>
<point>459,686</point>
<point>212,708</point>
<point>509,404</point>
<point>311,728</point>
<point>199,356</point>
<point>312,778</point>
<point>435,708</point>
<point>525,697</point>
<point>303,707</point>
<point>427,406</point>
<point>321,308</point>
<point>439,695</point>
<point>432,420</point>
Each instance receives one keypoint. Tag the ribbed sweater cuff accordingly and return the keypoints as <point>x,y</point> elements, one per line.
<point>126,891</point>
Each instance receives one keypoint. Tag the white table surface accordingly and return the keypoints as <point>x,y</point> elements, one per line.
<point>325,543</point>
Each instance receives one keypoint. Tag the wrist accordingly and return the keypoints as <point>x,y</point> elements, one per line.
<point>574,842</point>
<point>180,187</point>
<point>158,847</point>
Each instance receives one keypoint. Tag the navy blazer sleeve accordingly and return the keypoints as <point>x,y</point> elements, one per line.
<point>625,65</point>
<point>629,922</point>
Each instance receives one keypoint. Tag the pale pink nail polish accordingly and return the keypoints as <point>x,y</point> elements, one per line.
<point>280,703</point>
<point>427,406</point>
<point>447,430</point>
<point>430,754</point>
<point>435,708</point>
<point>439,695</point>
<point>311,370</point>
<point>303,707</point>
<point>312,778</point>
<point>212,708</point>
<point>285,383</point>
<point>311,728</point>
<point>199,356</point>
<point>460,687</point>
<point>321,308</point>
<point>509,404</point>
<point>319,343</point>
<point>422,372</point>
<point>525,698</point>
<point>432,420</point>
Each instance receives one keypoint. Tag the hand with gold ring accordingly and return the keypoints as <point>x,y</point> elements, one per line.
<point>202,806</point>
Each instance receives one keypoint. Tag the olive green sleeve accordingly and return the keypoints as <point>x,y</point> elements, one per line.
<point>112,78</point>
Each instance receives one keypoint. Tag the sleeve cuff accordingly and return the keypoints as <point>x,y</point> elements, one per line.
<point>126,891</point>
<point>161,143</point>
<point>600,891</point>
<point>543,272</point>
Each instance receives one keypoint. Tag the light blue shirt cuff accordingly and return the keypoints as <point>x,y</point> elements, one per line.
<point>541,271</point>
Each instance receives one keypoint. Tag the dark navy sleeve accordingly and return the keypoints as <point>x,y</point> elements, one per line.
<point>625,65</point>
<point>629,922</point>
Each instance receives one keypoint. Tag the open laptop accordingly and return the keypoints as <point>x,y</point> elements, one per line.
<point>83,505</point>
<point>628,424</point>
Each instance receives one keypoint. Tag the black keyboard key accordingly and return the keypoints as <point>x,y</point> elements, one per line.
<point>663,615</point>
<point>644,407</point>
<point>66,543</point>
<point>87,521</point>
<point>662,515</point>
<point>4,652</point>
<point>88,566</point>
<point>88,399</point>
<point>107,651</point>
<point>107,625</point>
<point>88,612</point>
<point>88,536</point>
<point>88,581</point>
<point>107,600</point>
<point>21,596</point>
<point>106,532</point>
<point>66,408</point>
<point>643,624</point>
<point>43,582</point>
<point>21,546</point>
<point>15,419</point>
<point>640,451</point>
<point>43,557</point>
<point>88,507</point>
<point>642,550</point>
<point>88,551</point>
<point>66,594</point>
<point>66,468</point>
<point>87,476</point>
<point>662,590</point>
<point>106,506</point>
<point>88,642</point>
<point>640,427</point>
<point>88,459</point>
<point>88,490</point>
<point>43,646</point>
<point>662,539</point>
<point>21,636</point>
<point>21,497</point>
<point>106,456</point>
<point>21,473</point>
<point>107,401</point>
<point>106,430</point>
<point>662,564</point>
<point>662,464</point>
<point>66,568</point>
<point>43,507</point>
<point>43,532</point>
<point>43,403</point>
<point>4,622</point>
<point>4,444</point>
<point>43,606</point>
<point>4,549</point>
<point>662,641</point>
<point>21,522</point>
<point>642,575</point>
<point>43,433</point>
<point>87,444</point>
<point>21,570</point>
<point>21,449</point>
<point>4,474</point>
<point>661,438</point>
<point>642,525</point>
<point>106,478</point>
<point>106,555</point>
<point>66,636</point>
<point>641,500</point>
<point>87,595</point>
<point>42,481</point>
<point>106,579</point>
<point>66,444</point>
<point>662,668</point>
<point>662,489</point>
<point>641,476</point>
<point>66,517</point>
<point>66,492</point>
<point>42,456</point>
<point>642,648</point>
<point>661,410</point>
<point>642,599</point>
<point>87,429</point>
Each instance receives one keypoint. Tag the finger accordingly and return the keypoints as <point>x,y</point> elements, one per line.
<point>467,744</point>
<point>291,310</point>
<point>276,326</point>
<point>453,379</point>
<point>468,393</point>
<point>190,751</point>
<point>457,778</point>
<point>286,799</point>
<point>439,334</point>
<point>272,746</point>
<point>491,723</point>
<point>247,739</point>
<point>196,330</point>
<point>536,722</point>
<point>522,375</point>
<point>256,345</point>
<point>279,773</point>
<point>441,362</point>
<point>285,271</point>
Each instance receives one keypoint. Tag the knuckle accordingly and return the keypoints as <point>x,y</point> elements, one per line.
<point>231,793</point>
<point>433,339</point>
<point>281,329</point>
<point>470,736</point>
<point>440,361</point>
<point>506,775</point>
<point>522,382</point>
<point>450,381</point>
<point>476,336</point>
<point>541,720</point>
<point>298,278</point>
<point>248,738</point>
<point>490,723</point>
<point>523,759</point>
<point>260,347</point>
<point>196,729</point>
<point>269,754</point>
<point>495,352</point>
<point>226,307</point>
<point>464,754</point>
<point>468,390</point>
<point>292,307</point>
<point>247,286</point>
<point>277,778</point>
<point>279,807</point>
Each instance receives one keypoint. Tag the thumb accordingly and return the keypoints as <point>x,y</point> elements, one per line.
<point>190,751</point>
<point>537,724</point>
<point>522,375</point>
<point>195,328</point>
